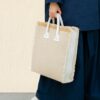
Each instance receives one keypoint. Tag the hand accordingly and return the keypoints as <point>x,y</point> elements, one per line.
<point>53,9</point>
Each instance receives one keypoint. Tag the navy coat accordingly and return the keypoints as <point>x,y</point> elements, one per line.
<point>83,13</point>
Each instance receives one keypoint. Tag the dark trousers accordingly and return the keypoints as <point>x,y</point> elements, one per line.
<point>86,85</point>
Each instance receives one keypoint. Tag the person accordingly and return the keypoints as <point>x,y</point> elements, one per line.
<point>84,14</point>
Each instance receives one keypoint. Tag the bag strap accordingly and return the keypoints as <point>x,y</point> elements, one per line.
<point>60,18</point>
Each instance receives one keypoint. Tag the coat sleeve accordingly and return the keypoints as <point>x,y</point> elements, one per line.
<point>57,1</point>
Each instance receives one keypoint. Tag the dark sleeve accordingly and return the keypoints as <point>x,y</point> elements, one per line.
<point>57,1</point>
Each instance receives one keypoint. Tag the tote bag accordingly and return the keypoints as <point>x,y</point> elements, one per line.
<point>55,50</point>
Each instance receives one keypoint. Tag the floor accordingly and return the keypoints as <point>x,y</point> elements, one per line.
<point>16,96</point>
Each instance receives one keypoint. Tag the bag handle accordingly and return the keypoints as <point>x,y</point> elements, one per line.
<point>59,21</point>
<point>60,18</point>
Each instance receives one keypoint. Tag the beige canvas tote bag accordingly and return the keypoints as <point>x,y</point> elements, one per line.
<point>55,50</point>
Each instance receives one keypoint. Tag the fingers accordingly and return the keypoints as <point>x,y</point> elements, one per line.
<point>52,13</point>
<point>59,11</point>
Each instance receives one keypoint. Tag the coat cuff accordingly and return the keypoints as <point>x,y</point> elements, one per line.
<point>57,1</point>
